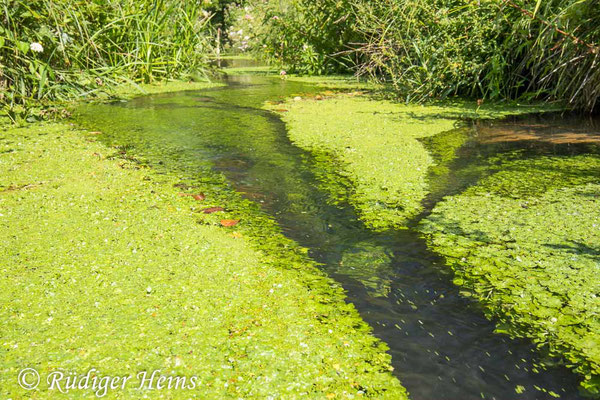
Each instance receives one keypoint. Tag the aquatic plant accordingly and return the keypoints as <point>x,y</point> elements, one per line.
<point>387,166</point>
<point>107,266</point>
<point>524,243</point>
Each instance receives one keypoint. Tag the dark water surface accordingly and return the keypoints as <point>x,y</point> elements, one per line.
<point>441,345</point>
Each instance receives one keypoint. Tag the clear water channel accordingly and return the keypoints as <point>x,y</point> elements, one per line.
<point>442,346</point>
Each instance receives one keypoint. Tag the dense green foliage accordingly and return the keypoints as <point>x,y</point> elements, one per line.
<point>485,49</point>
<point>53,50</point>
<point>429,49</point>
<point>524,242</point>
<point>106,266</point>
<point>303,35</point>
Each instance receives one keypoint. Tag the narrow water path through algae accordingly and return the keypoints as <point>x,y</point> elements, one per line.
<point>442,346</point>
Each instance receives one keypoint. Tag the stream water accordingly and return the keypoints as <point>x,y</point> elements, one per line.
<point>442,346</point>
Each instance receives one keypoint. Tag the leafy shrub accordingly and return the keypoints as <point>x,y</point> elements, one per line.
<point>488,49</point>
<point>484,49</point>
<point>305,35</point>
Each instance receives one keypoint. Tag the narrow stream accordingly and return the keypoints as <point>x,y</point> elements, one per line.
<point>441,345</point>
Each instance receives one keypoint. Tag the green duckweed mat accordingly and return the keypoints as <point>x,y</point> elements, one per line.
<point>110,266</point>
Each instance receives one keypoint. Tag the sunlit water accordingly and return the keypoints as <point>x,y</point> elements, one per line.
<point>441,345</point>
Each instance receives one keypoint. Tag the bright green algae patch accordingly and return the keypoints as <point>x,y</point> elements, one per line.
<point>105,266</point>
<point>337,82</point>
<point>525,242</point>
<point>379,147</point>
<point>132,90</point>
<point>328,82</point>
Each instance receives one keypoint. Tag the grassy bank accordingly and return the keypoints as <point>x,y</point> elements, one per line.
<point>524,242</point>
<point>106,265</point>
<point>379,148</point>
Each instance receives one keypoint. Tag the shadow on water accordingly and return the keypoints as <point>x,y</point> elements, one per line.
<point>443,348</point>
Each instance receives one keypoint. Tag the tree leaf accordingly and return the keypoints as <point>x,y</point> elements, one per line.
<point>199,196</point>
<point>229,222</point>
<point>211,210</point>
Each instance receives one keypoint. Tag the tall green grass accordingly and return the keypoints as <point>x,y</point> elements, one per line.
<point>510,49</point>
<point>482,49</point>
<point>91,45</point>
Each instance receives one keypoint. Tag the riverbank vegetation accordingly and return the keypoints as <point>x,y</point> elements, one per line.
<point>496,50</point>
<point>513,49</point>
<point>53,51</point>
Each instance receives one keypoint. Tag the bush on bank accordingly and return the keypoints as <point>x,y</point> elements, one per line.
<point>484,49</point>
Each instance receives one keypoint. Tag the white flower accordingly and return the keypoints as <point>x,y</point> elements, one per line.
<point>65,38</point>
<point>38,48</point>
